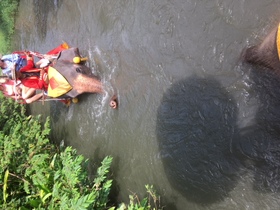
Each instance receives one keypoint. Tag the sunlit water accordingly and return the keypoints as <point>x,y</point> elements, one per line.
<point>194,121</point>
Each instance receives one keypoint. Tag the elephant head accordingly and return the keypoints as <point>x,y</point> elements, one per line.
<point>75,74</point>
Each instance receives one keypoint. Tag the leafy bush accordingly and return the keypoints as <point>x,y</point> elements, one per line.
<point>151,202</point>
<point>7,23</point>
<point>35,174</point>
<point>7,14</point>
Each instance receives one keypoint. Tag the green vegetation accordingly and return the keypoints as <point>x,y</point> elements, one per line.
<point>7,22</point>
<point>35,174</point>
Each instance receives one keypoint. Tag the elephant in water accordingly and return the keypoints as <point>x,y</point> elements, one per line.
<point>267,53</point>
<point>76,77</point>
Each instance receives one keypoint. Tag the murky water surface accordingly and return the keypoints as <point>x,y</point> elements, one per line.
<point>192,120</point>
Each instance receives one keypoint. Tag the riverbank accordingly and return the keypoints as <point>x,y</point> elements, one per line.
<point>8,13</point>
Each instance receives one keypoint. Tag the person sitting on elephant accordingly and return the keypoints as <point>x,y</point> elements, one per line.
<point>8,62</point>
<point>19,60</point>
<point>7,87</point>
<point>33,77</point>
<point>30,75</point>
<point>10,65</point>
<point>17,91</point>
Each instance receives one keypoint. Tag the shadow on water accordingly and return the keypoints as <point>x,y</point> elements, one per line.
<point>196,128</point>
<point>262,143</point>
<point>58,110</point>
<point>41,11</point>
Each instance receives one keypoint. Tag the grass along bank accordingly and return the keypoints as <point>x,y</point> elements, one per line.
<point>8,13</point>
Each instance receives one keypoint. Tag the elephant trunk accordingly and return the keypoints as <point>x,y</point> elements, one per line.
<point>85,84</point>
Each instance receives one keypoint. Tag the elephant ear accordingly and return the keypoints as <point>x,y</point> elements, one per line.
<point>69,54</point>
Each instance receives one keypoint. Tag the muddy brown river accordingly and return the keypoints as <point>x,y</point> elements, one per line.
<point>193,121</point>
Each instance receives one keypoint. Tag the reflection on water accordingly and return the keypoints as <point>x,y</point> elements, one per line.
<point>42,9</point>
<point>196,129</point>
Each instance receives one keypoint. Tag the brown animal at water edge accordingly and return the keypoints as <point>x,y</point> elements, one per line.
<point>266,53</point>
<point>78,75</point>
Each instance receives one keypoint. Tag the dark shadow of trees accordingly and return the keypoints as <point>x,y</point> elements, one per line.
<point>261,144</point>
<point>197,131</point>
<point>202,149</point>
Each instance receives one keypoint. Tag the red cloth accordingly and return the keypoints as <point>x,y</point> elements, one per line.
<point>58,49</point>
<point>34,81</point>
<point>29,66</point>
